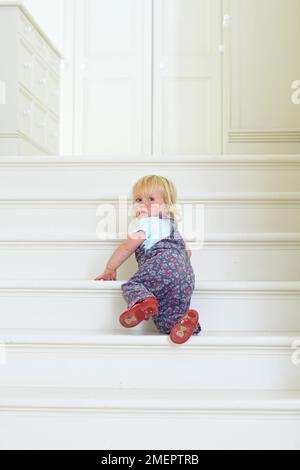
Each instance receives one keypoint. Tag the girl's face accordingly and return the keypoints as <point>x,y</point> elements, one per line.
<point>150,205</point>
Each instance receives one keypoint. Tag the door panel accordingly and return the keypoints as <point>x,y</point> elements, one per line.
<point>187,77</point>
<point>111,88</point>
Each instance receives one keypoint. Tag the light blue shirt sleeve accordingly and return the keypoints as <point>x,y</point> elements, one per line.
<point>155,228</point>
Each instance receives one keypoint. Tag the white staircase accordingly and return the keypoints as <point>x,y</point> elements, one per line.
<point>71,377</point>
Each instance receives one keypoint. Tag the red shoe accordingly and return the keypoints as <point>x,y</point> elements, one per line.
<point>139,312</point>
<point>184,329</point>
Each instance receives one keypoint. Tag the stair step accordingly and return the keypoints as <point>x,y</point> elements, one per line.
<point>92,176</point>
<point>243,257</point>
<point>93,418</point>
<point>130,338</point>
<point>222,213</point>
<point>76,399</point>
<point>97,305</point>
<point>131,359</point>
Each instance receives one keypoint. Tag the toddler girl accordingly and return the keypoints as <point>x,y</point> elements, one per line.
<point>164,283</point>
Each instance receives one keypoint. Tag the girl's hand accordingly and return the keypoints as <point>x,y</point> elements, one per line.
<point>189,252</point>
<point>107,275</point>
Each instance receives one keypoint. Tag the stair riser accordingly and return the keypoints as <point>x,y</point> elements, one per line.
<point>98,179</point>
<point>102,430</point>
<point>151,367</point>
<point>62,219</point>
<point>100,311</point>
<point>87,260</point>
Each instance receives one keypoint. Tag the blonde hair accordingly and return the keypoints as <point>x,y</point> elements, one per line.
<point>167,188</point>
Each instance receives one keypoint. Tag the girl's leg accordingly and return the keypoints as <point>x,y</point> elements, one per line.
<point>134,292</point>
<point>170,313</point>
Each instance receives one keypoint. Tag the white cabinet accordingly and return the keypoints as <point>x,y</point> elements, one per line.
<point>30,74</point>
<point>148,77</point>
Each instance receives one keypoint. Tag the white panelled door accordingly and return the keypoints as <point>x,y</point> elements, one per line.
<point>187,77</point>
<point>111,91</point>
<point>147,77</point>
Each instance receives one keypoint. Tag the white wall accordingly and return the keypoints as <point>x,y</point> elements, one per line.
<point>262,61</point>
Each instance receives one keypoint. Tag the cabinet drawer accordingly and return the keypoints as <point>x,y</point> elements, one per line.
<point>25,28</point>
<point>41,46</point>
<point>39,124</point>
<point>40,81</point>
<point>53,93</point>
<point>25,65</point>
<point>25,110</point>
<point>52,135</point>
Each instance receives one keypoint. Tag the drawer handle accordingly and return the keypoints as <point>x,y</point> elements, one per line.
<point>42,81</point>
<point>27,112</point>
<point>28,29</point>
<point>42,46</point>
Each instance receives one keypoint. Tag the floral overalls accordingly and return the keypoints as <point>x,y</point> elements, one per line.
<point>164,272</point>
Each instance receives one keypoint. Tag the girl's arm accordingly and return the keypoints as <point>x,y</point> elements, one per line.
<point>121,254</point>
